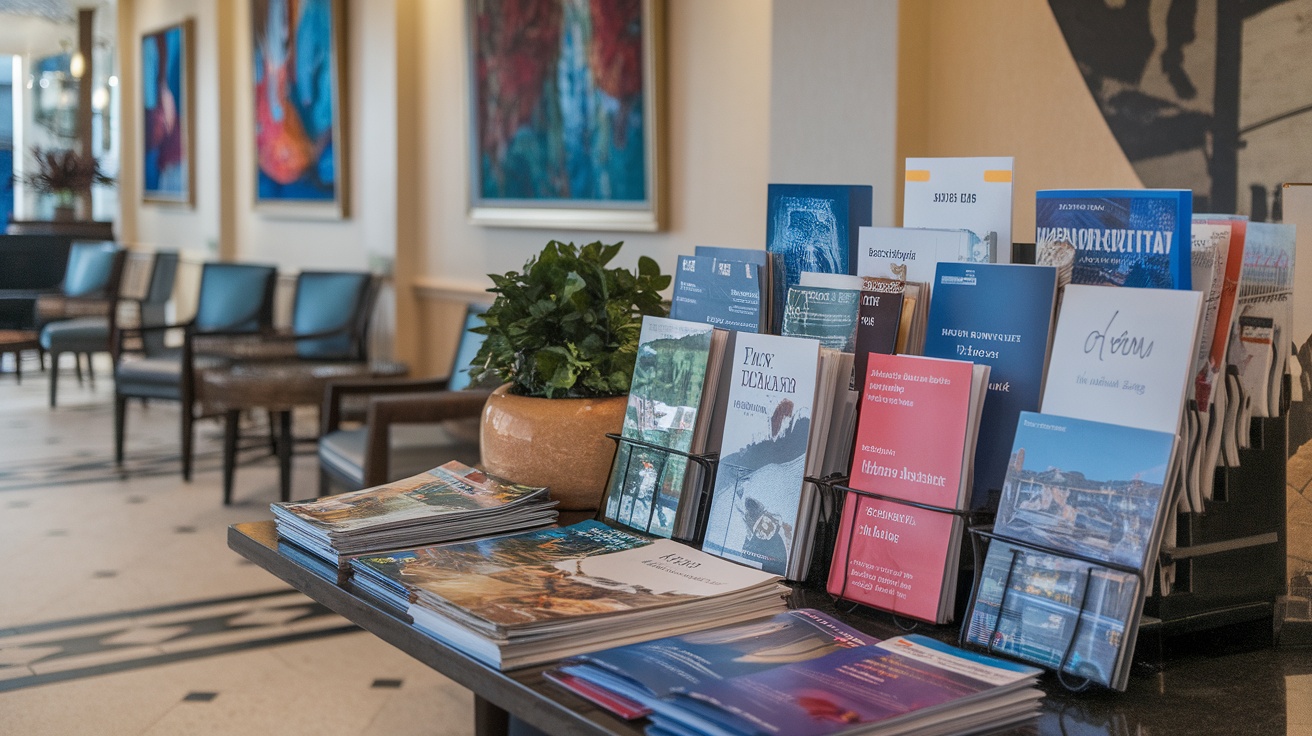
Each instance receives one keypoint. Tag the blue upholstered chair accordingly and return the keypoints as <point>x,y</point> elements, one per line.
<point>89,305</point>
<point>234,298</point>
<point>409,426</point>
<point>327,340</point>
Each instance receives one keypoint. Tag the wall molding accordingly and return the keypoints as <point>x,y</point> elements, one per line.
<point>430,288</point>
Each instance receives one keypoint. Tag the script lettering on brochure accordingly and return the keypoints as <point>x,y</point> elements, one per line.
<point>1124,344</point>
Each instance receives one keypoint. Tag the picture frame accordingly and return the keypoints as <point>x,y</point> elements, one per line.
<point>564,131</point>
<point>299,113</point>
<point>168,172</point>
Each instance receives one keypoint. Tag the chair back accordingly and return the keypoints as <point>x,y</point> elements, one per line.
<point>90,271</point>
<point>154,302</point>
<point>235,297</point>
<point>467,348</point>
<point>336,305</point>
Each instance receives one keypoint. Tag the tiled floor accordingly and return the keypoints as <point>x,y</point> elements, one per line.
<point>122,611</point>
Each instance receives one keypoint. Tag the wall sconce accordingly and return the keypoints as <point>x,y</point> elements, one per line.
<point>100,98</point>
<point>77,66</point>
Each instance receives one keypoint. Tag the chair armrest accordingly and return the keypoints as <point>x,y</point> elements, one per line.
<point>337,390</point>
<point>385,411</point>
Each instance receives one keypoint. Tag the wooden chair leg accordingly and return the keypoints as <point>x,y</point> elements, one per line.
<point>120,426</point>
<point>188,434</point>
<point>77,365</point>
<point>230,421</point>
<point>54,376</point>
<point>18,366</point>
<point>91,371</point>
<point>285,455</point>
<point>272,419</point>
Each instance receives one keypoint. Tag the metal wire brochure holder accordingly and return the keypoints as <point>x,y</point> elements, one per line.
<point>653,473</point>
<point>981,536</point>
<point>833,492</point>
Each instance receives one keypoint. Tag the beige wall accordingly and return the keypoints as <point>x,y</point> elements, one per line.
<point>717,95</point>
<point>833,94</point>
<point>195,228</point>
<point>996,79</point>
<point>224,220</point>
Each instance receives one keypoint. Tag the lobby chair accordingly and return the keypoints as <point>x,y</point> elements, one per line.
<point>327,341</point>
<point>82,319</point>
<point>409,426</point>
<point>233,298</point>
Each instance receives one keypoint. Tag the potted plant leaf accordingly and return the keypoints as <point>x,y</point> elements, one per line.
<point>65,174</point>
<point>562,335</point>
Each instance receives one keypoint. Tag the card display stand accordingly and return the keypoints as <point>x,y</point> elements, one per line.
<point>707,463</point>
<point>981,537</point>
<point>832,493</point>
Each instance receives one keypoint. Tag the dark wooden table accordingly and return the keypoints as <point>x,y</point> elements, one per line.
<point>1217,685</point>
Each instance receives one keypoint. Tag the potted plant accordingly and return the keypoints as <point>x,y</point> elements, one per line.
<point>64,173</point>
<point>562,336</point>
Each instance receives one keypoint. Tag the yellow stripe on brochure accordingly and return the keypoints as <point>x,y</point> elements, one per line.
<point>997,176</point>
<point>917,174</point>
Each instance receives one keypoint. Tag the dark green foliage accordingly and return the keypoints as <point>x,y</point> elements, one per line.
<point>567,326</point>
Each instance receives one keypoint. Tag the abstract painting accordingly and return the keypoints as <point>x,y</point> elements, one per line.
<point>563,113</point>
<point>296,54</point>
<point>166,115</point>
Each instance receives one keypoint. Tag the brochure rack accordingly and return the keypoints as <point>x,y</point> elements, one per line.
<point>832,492</point>
<point>980,537</point>
<point>705,483</point>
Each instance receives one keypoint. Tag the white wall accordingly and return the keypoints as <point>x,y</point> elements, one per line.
<point>833,95</point>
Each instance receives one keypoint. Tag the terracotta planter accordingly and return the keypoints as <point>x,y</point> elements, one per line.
<point>558,443</point>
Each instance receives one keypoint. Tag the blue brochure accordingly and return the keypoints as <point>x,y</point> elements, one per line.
<point>726,294</point>
<point>812,227</point>
<point>1116,237</point>
<point>999,315</point>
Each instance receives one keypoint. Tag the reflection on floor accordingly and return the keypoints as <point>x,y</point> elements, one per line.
<point>122,611</point>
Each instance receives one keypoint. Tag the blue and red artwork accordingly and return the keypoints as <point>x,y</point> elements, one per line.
<point>559,101</point>
<point>295,101</point>
<point>166,157</point>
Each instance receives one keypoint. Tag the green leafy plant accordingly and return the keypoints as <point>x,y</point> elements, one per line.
<point>567,326</point>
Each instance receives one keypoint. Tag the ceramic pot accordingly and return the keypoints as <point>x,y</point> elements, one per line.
<point>558,443</point>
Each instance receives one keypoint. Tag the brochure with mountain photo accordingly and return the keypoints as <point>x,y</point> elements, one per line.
<point>665,409</point>
<point>767,423</point>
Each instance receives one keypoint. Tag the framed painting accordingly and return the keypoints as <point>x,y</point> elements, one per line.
<point>564,101</point>
<point>167,175</point>
<point>300,138</point>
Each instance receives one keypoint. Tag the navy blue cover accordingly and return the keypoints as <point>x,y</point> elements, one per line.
<point>725,294</point>
<point>998,315</point>
<point>812,227</point>
<point>1121,237</point>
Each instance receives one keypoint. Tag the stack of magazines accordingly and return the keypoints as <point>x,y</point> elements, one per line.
<point>803,673</point>
<point>450,502</point>
<point>535,597</point>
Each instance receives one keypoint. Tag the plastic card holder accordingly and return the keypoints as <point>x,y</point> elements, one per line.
<point>833,492</point>
<point>980,538</point>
